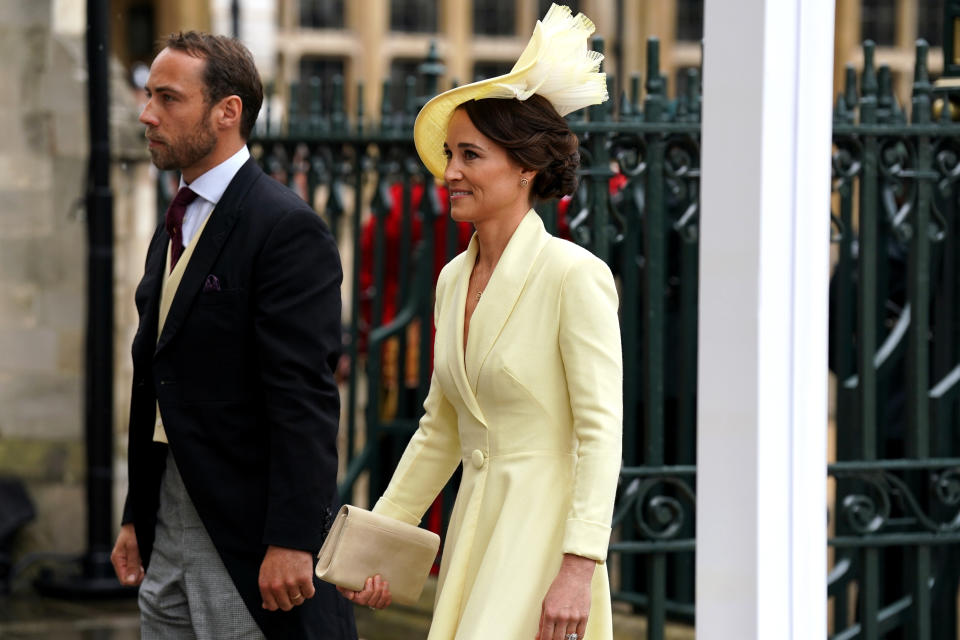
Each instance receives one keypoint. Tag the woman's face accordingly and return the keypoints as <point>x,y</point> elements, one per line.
<point>482,179</point>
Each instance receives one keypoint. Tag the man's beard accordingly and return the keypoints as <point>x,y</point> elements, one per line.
<point>175,155</point>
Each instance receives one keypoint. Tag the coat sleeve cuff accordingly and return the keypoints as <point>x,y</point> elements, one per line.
<point>390,509</point>
<point>587,539</point>
<point>292,534</point>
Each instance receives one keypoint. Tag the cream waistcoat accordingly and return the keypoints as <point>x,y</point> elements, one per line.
<point>171,283</point>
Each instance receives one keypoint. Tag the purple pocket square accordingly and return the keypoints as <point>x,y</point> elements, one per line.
<point>212,283</point>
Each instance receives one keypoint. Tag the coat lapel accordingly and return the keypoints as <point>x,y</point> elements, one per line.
<point>502,292</point>
<point>456,309</point>
<point>150,289</point>
<point>222,220</point>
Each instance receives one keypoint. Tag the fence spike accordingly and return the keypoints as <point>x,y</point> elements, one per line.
<point>635,81</point>
<point>921,76</point>
<point>682,106</point>
<point>850,91</point>
<point>839,110</point>
<point>921,99</point>
<point>693,92</point>
<point>626,109</point>
<point>884,93</point>
<point>653,65</point>
<point>597,44</point>
<point>869,82</point>
<point>946,110</point>
<point>431,69</point>
<point>654,104</point>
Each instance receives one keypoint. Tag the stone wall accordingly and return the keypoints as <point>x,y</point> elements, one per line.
<point>43,161</point>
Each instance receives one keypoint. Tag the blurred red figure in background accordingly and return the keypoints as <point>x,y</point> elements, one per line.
<point>617,182</point>
<point>393,228</point>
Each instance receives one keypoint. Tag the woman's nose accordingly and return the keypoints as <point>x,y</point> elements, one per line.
<point>452,171</point>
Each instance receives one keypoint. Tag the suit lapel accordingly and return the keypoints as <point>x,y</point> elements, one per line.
<point>502,292</point>
<point>455,310</point>
<point>222,220</point>
<point>152,284</point>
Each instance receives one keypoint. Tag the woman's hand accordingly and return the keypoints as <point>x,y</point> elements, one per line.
<point>567,603</point>
<point>375,593</point>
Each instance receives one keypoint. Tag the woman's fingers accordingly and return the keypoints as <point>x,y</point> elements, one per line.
<point>380,597</point>
<point>375,593</point>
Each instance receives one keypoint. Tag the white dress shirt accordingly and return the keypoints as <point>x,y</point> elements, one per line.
<point>209,188</point>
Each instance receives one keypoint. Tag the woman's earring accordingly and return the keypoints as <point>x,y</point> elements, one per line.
<point>524,182</point>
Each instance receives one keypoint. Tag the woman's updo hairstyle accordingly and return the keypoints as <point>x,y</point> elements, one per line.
<point>535,136</point>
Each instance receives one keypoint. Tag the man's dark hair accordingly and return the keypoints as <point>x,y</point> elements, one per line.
<point>229,71</point>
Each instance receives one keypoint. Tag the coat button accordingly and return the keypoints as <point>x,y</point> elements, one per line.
<point>477,458</point>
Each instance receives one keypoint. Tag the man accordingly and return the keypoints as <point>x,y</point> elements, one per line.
<point>234,409</point>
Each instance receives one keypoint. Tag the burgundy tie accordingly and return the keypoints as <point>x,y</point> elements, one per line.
<point>174,222</point>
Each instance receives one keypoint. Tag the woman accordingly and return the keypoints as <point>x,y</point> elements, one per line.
<point>526,389</point>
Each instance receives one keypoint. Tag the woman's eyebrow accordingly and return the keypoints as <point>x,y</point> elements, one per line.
<point>464,145</point>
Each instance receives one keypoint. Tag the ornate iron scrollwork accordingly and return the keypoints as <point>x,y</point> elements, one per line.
<point>865,513</point>
<point>885,498</point>
<point>682,169</point>
<point>658,506</point>
<point>661,517</point>
<point>946,487</point>
<point>897,163</point>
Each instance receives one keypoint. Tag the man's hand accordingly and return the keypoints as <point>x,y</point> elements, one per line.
<point>286,578</point>
<point>126,557</point>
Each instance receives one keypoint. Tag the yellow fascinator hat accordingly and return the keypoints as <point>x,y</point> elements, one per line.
<point>556,64</point>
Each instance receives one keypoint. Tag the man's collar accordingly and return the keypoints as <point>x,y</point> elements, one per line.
<point>211,185</point>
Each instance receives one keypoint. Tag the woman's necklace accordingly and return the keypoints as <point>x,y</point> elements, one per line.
<point>476,278</point>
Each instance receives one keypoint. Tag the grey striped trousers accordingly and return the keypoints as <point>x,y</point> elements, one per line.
<point>187,592</point>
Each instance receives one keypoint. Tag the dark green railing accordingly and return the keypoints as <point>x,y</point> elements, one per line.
<point>895,326</point>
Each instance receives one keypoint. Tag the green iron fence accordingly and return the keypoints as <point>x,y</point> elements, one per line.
<point>895,351</point>
<point>895,323</point>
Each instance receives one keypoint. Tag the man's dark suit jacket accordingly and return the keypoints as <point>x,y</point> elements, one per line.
<point>243,373</point>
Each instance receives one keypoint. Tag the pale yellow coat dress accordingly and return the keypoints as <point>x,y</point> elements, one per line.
<point>533,411</point>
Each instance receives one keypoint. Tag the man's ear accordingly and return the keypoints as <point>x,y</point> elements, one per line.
<point>228,112</point>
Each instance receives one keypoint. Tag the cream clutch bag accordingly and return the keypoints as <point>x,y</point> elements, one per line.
<point>362,544</point>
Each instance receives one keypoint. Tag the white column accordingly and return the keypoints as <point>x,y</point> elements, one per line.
<point>764,260</point>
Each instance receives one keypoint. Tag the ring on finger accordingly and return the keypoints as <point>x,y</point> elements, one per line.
<point>299,596</point>
<point>572,636</point>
